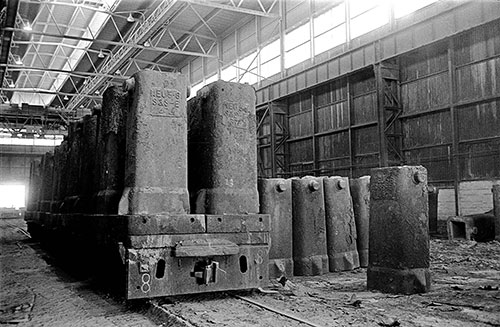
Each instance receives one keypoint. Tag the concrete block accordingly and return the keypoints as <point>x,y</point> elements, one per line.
<point>399,232</point>
<point>496,209</point>
<point>340,225</point>
<point>56,176</point>
<point>73,166</point>
<point>87,188</point>
<point>62,174</point>
<point>47,166</point>
<point>156,146</point>
<point>223,150</point>
<point>479,227</point>
<point>309,227</point>
<point>275,197</point>
<point>111,149</point>
<point>360,193</point>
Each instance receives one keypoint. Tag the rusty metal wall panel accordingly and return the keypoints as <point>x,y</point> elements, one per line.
<point>404,41</point>
<point>426,93</point>
<point>301,151</point>
<point>430,129</point>
<point>311,78</point>
<point>479,160</point>
<point>301,80</point>
<point>322,73</point>
<point>358,59</point>
<point>333,146</point>
<point>332,117</point>
<point>423,34</point>
<point>478,80</point>
<point>338,166</point>
<point>365,140</point>
<point>300,125</point>
<point>436,159</point>
<point>364,163</point>
<point>479,121</point>
<point>364,108</point>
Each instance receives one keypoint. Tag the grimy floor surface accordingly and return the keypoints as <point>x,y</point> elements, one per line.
<point>36,291</point>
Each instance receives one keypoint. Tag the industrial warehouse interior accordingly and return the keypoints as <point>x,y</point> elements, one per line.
<point>250,163</point>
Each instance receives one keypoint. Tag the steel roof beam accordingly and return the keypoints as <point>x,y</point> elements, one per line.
<point>158,17</point>
<point>72,73</point>
<point>121,44</point>
<point>233,8</point>
<point>42,91</point>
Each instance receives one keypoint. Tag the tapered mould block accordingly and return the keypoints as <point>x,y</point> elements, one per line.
<point>496,209</point>
<point>275,197</point>
<point>87,172</point>
<point>156,146</point>
<point>360,193</point>
<point>73,167</point>
<point>62,174</point>
<point>223,149</point>
<point>399,238</point>
<point>111,149</point>
<point>478,227</point>
<point>56,182</point>
<point>47,167</point>
<point>309,227</point>
<point>340,225</point>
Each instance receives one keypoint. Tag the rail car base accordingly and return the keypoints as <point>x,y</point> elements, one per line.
<point>166,254</point>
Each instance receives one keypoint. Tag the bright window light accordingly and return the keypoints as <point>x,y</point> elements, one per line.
<point>228,74</point>
<point>270,68</point>
<point>248,69</point>
<point>12,196</point>
<point>35,141</point>
<point>194,89</point>
<point>369,21</point>
<point>249,62</point>
<point>403,8</point>
<point>357,7</point>
<point>297,55</point>
<point>297,37</point>
<point>330,39</point>
<point>211,79</point>
<point>270,51</point>
<point>329,19</point>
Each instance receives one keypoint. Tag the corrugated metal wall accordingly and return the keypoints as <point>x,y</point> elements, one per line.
<point>450,97</point>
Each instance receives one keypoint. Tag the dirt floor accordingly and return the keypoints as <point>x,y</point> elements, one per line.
<point>465,292</point>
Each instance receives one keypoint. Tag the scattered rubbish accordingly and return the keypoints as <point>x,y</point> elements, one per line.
<point>263,291</point>
<point>282,280</point>
<point>393,323</point>
<point>432,304</point>
<point>356,303</point>
<point>468,245</point>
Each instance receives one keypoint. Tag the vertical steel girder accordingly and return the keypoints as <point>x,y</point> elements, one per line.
<point>389,109</point>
